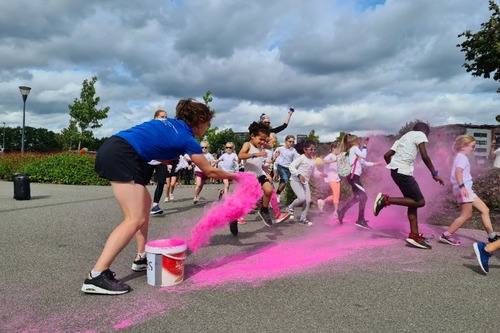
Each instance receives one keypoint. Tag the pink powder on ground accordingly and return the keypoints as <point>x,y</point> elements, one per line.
<point>246,193</point>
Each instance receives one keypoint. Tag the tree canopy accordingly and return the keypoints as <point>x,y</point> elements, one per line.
<point>482,49</point>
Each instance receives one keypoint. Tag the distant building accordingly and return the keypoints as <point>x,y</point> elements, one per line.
<point>300,137</point>
<point>484,134</point>
<point>242,136</point>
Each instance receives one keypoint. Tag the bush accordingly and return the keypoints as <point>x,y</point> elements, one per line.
<point>487,187</point>
<point>62,168</point>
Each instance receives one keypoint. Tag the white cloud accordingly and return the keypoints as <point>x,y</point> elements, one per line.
<point>365,66</point>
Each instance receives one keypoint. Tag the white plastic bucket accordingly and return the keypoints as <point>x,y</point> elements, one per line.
<point>165,262</point>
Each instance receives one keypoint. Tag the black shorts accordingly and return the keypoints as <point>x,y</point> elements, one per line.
<point>118,161</point>
<point>408,185</point>
<point>263,179</point>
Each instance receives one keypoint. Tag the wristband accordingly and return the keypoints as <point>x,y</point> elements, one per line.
<point>298,177</point>
<point>461,185</point>
<point>364,147</point>
<point>435,173</point>
<point>253,156</point>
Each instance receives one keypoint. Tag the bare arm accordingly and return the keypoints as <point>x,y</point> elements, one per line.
<point>428,163</point>
<point>244,155</point>
<point>388,156</point>
<point>209,170</point>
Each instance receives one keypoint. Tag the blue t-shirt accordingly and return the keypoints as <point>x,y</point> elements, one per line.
<point>162,139</point>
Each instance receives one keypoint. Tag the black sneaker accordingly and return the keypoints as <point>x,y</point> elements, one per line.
<point>104,284</point>
<point>380,202</point>
<point>233,227</point>
<point>362,224</point>
<point>265,215</point>
<point>140,264</point>
<point>494,239</point>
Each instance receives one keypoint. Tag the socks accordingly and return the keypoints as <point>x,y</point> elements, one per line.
<point>142,255</point>
<point>94,274</point>
<point>492,235</point>
<point>446,234</point>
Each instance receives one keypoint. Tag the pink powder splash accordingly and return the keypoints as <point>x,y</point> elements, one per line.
<point>246,193</point>
<point>275,204</point>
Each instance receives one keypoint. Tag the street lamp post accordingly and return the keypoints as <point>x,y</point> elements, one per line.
<point>3,146</point>
<point>25,91</point>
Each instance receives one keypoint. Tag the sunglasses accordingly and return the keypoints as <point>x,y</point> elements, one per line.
<point>266,122</point>
<point>229,147</point>
<point>310,149</point>
<point>204,147</point>
<point>291,141</point>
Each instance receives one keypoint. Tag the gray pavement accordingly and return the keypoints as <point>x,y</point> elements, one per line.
<point>287,278</point>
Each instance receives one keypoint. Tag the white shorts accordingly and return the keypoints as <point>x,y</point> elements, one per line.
<point>460,198</point>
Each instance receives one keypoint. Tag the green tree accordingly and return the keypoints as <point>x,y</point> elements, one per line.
<point>69,136</point>
<point>313,137</point>
<point>207,98</point>
<point>84,111</point>
<point>219,139</point>
<point>409,126</point>
<point>482,49</point>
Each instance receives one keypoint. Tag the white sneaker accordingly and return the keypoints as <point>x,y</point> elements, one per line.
<point>321,205</point>
<point>171,197</point>
<point>278,196</point>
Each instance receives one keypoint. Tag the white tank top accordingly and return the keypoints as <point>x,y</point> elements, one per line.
<point>254,164</point>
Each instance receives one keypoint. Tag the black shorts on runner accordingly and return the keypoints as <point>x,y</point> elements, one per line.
<point>118,161</point>
<point>408,185</point>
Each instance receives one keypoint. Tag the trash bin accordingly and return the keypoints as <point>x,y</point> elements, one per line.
<point>22,189</point>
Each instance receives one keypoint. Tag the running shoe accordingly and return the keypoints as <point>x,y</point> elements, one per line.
<point>140,264</point>
<point>482,256</point>
<point>104,284</point>
<point>233,228</point>
<point>221,194</point>
<point>265,215</point>
<point>380,202</point>
<point>362,224</point>
<point>156,210</point>
<point>281,217</point>
<point>418,241</point>
<point>290,212</point>
<point>493,239</point>
<point>305,222</point>
<point>448,240</point>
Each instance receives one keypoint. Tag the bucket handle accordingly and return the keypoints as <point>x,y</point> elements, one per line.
<point>175,258</point>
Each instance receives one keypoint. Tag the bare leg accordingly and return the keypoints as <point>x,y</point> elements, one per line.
<point>485,214</point>
<point>413,218</point>
<point>134,201</point>
<point>465,215</point>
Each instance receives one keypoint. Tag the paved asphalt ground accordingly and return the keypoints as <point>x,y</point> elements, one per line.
<point>326,278</point>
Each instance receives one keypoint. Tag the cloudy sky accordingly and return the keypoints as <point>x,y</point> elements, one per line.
<point>345,65</point>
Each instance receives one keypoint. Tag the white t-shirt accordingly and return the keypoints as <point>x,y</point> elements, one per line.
<point>496,163</point>
<point>331,169</point>
<point>229,162</point>
<point>286,156</point>
<point>210,159</point>
<point>302,166</point>
<point>461,161</point>
<point>406,149</point>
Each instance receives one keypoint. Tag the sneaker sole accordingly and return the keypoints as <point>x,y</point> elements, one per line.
<point>362,226</point>
<point>417,245</point>
<point>478,256</point>
<point>445,241</point>
<point>91,289</point>
<point>286,218</point>
<point>139,268</point>
<point>377,198</point>
<point>269,225</point>
<point>233,228</point>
